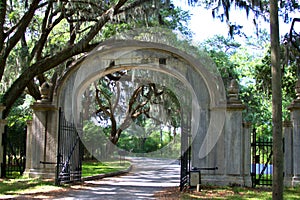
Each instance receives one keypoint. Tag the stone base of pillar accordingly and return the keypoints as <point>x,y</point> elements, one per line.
<point>226,180</point>
<point>295,181</point>
<point>288,181</point>
<point>45,173</point>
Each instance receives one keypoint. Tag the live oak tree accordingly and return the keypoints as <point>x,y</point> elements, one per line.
<point>39,38</point>
<point>120,103</point>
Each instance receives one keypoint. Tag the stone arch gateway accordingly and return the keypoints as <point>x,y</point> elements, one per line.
<point>196,84</point>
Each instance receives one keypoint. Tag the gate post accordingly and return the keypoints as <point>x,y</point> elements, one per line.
<point>42,138</point>
<point>2,156</point>
<point>295,118</point>
<point>246,143</point>
<point>288,152</point>
<point>236,143</point>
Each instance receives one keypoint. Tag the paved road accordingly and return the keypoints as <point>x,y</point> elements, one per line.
<point>147,177</point>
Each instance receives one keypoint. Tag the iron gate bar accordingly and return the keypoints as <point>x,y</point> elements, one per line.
<point>4,141</point>
<point>185,151</point>
<point>15,161</point>
<point>69,154</point>
<point>266,165</point>
<point>261,172</point>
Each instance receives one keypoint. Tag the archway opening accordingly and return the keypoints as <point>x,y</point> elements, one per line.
<point>160,70</point>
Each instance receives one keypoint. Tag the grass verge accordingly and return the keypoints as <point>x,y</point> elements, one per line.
<point>91,168</point>
<point>23,185</point>
<point>236,193</point>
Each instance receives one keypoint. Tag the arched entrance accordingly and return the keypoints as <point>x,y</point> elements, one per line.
<point>197,89</point>
<point>192,79</point>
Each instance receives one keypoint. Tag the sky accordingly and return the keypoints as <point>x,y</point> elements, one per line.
<point>205,26</point>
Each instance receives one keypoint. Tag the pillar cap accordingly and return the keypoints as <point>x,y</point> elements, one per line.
<point>247,124</point>
<point>45,91</point>
<point>43,106</point>
<point>234,103</point>
<point>240,106</point>
<point>287,123</point>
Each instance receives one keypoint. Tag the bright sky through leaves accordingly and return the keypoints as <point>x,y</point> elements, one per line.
<point>204,26</point>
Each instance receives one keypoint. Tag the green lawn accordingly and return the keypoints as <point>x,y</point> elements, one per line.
<point>20,185</point>
<point>234,193</point>
<point>23,185</point>
<point>94,167</point>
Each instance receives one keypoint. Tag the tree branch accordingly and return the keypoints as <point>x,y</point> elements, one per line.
<point>48,63</point>
<point>291,34</point>
<point>2,21</point>
<point>24,21</point>
<point>99,102</point>
<point>39,46</point>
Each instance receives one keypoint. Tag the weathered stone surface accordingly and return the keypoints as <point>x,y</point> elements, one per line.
<point>41,151</point>
<point>288,152</point>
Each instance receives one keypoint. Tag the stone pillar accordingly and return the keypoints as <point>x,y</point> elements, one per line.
<point>295,118</point>
<point>288,153</point>
<point>234,138</point>
<point>2,125</point>
<point>29,142</point>
<point>247,129</point>
<point>42,139</point>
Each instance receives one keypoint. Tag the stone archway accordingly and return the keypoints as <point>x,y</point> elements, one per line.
<point>196,84</point>
<point>204,86</point>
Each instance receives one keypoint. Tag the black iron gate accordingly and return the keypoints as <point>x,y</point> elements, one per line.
<point>14,151</point>
<point>262,156</point>
<point>185,152</point>
<point>70,152</point>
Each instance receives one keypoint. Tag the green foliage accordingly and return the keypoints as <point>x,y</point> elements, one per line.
<point>21,112</point>
<point>17,123</point>
<point>150,142</point>
<point>176,19</point>
<point>111,29</point>
<point>57,25</point>
<point>221,49</point>
<point>263,79</point>
<point>253,71</point>
<point>94,139</point>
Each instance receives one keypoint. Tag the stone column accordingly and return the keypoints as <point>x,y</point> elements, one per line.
<point>235,147</point>
<point>2,125</point>
<point>288,153</point>
<point>42,139</point>
<point>295,118</point>
<point>247,129</point>
<point>29,142</point>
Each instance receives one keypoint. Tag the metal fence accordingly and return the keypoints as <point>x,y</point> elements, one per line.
<point>261,165</point>
<point>14,152</point>
<point>70,152</point>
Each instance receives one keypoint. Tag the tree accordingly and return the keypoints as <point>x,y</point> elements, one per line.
<point>277,188</point>
<point>220,49</point>
<point>260,7</point>
<point>120,103</point>
<point>51,34</point>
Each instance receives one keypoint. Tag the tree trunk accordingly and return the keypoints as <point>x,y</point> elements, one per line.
<point>277,187</point>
